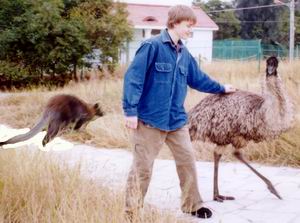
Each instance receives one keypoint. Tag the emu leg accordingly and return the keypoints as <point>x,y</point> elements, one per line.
<point>270,186</point>
<point>217,196</point>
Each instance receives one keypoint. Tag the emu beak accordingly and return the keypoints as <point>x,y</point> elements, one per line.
<point>270,70</point>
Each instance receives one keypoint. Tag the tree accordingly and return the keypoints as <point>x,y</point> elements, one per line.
<point>229,25</point>
<point>284,24</point>
<point>40,39</point>
<point>259,23</point>
<point>297,24</point>
<point>53,36</point>
<point>107,27</point>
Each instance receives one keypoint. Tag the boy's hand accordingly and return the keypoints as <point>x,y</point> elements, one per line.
<point>229,88</point>
<point>131,122</point>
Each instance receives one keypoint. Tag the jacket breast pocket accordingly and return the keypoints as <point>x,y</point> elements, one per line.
<point>163,72</point>
<point>182,77</point>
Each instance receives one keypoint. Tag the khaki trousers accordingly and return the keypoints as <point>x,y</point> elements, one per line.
<point>147,143</point>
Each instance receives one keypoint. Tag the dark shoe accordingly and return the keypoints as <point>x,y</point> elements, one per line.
<point>202,213</point>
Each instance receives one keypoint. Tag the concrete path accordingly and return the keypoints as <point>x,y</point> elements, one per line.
<point>254,203</point>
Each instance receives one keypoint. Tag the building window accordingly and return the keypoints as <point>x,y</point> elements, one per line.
<point>155,32</point>
<point>150,19</point>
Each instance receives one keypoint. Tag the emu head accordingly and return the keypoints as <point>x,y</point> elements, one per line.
<point>272,64</point>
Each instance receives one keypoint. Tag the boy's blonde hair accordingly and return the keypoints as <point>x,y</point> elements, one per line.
<point>179,13</point>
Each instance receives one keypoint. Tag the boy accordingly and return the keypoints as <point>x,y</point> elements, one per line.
<point>155,88</point>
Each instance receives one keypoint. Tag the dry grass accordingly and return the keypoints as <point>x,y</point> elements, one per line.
<point>22,109</point>
<point>35,188</point>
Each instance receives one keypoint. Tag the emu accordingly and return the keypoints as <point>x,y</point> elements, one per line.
<point>240,117</point>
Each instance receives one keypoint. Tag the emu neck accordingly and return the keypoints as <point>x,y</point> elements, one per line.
<point>279,111</point>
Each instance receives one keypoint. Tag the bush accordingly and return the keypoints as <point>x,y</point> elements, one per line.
<point>13,75</point>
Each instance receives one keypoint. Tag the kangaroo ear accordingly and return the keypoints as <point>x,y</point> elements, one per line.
<point>98,110</point>
<point>96,106</point>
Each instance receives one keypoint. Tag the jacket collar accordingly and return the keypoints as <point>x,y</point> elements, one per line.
<point>167,38</point>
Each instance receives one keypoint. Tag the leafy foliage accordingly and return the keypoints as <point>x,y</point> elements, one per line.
<point>284,25</point>
<point>107,27</point>
<point>259,23</point>
<point>229,25</point>
<point>54,36</point>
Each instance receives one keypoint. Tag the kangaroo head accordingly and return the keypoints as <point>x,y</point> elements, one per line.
<point>272,64</point>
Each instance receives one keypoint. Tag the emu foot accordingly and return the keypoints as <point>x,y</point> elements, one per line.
<point>221,198</point>
<point>272,189</point>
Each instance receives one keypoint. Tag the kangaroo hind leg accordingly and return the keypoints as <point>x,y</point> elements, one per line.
<point>52,131</point>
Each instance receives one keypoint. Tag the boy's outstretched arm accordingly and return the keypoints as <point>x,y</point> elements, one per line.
<point>200,81</point>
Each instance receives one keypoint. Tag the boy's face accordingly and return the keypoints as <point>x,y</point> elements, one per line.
<point>184,29</point>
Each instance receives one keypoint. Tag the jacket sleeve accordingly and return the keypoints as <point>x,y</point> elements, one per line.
<point>135,77</point>
<point>200,81</point>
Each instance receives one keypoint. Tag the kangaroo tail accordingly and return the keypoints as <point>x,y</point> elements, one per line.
<point>35,130</point>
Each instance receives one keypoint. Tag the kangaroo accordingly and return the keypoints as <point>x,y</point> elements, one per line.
<point>62,112</point>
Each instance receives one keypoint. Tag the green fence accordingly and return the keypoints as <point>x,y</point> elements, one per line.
<point>249,50</point>
<point>275,50</point>
<point>237,49</point>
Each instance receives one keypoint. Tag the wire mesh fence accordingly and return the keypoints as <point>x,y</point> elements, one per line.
<point>250,50</point>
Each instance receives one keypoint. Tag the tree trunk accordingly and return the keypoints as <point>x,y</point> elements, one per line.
<point>75,72</point>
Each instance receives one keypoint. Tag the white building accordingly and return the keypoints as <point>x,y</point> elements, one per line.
<point>149,20</point>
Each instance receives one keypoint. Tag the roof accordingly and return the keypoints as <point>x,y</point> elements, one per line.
<point>143,15</point>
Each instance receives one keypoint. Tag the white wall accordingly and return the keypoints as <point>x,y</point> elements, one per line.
<point>199,45</point>
<point>135,43</point>
<point>132,46</point>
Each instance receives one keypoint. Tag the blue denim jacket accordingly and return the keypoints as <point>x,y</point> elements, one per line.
<point>155,84</point>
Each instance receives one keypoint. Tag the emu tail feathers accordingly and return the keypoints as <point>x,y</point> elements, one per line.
<point>35,130</point>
